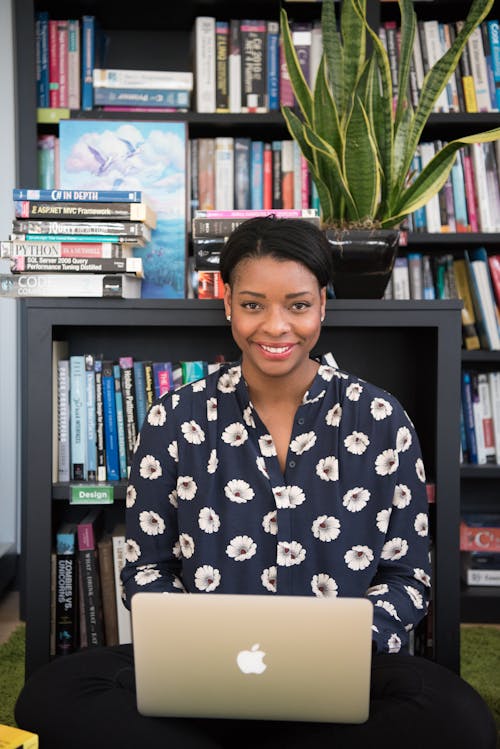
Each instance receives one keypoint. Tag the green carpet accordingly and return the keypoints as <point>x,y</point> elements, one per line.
<point>480,662</point>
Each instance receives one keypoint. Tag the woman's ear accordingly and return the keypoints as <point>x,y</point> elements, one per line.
<point>322,292</point>
<point>227,300</point>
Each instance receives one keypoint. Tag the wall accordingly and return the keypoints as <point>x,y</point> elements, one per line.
<point>9,369</point>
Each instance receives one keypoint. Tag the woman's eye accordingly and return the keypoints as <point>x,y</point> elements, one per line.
<point>301,306</point>
<point>250,305</point>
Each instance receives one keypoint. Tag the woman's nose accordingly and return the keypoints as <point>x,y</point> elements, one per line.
<point>276,321</point>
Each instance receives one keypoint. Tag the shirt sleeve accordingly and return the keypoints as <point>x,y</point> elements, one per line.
<point>400,588</point>
<point>152,546</point>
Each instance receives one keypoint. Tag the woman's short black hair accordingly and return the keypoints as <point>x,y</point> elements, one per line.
<point>281,238</point>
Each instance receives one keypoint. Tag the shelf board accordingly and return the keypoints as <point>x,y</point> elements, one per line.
<point>468,471</point>
<point>480,355</point>
<point>414,240</point>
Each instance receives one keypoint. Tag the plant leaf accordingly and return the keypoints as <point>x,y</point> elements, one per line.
<point>333,52</point>
<point>407,37</point>
<point>361,165</point>
<point>325,115</point>
<point>299,85</point>
<point>353,35</point>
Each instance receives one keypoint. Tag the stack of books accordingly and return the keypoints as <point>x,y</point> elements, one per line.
<point>137,90</point>
<point>76,243</point>
<point>480,549</point>
<point>210,229</point>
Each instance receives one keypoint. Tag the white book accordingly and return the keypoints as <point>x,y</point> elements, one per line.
<point>478,424</point>
<point>492,184</point>
<point>401,279</point>
<point>416,274</point>
<point>205,80</point>
<point>432,212</point>
<point>479,70</point>
<point>63,421</point>
<point>434,53</point>
<point>487,221</point>
<point>481,577</point>
<point>142,79</point>
<point>234,69</point>
<point>486,417</point>
<point>494,385</point>
<point>74,73</point>
<point>224,173</point>
<point>481,275</point>
<point>297,175</point>
<point>451,86</point>
<point>70,285</point>
<point>316,51</point>
<point>123,614</point>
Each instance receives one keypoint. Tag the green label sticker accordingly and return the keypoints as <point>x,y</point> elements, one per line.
<point>91,494</point>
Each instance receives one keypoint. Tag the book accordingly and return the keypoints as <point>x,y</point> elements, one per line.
<point>147,156</point>
<point>468,415</point>
<point>242,170</point>
<point>90,400</point>
<point>224,173</point>
<point>108,593</point>
<point>16,738</point>
<point>494,37</point>
<point>205,65</point>
<point>494,386</point>
<point>126,364</point>
<point>234,66</point>
<point>99,417</point>
<point>66,604</point>
<point>93,50</point>
<point>120,424</point>
<point>123,614</point>
<point>459,198</point>
<point>206,173</point>
<point>80,210</point>
<point>470,190</point>
<point>69,249</point>
<point>471,575</point>
<point>84,196</point>
<point>140,393</point>
<point>74,54</point>
<point>110,424</point>
<point>88,529</point>
<point>492,184</point>
<point>486,417</point>
<point>118,285</point>
<point>486,218</point>
<point>163,378</point>
<point>134,230</point>
<point>152,98</point>
<point>142,79</point>
<point>416,275</point>
<point>256,176</point>
<point>480,532</point>
<point>42,57</point>
<point>479,70</point>
<point>210,285</point>
<point>273,66</point>
<point>63,421</point>
<point>78,418</point>
<point>253,65</point>
<point>494,268</point>
<point>469,330</point>
<point>434,53</point>
<point>483,298</point>
<point>222,66</point>
<point>42,264</point>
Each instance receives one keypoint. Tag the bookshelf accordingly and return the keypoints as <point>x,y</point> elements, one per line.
<point>157,39</point>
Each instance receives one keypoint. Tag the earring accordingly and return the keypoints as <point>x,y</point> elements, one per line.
<point>323,319</point>
<point>228,318</point>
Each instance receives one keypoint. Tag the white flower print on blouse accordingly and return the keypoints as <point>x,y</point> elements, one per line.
<point>147,574</point>
<point>207,578</point>
<point>235,434</point>
<point>380,408</point>
<point>173,450</point>
<point>239,491</point>
<point>386,463</point>
<point>383,518</point>
<point>356,499</point>
<point>270,523</point>
<point>290,553</point>
<point>176,550</point>
<point>422,524</point>
<point>324,586</point>
<point>208,520</point>
<point>378,590</point>
<point>402,496</point>
<point>212,409</point>
<point>288,496</point>
<point>403,439</point>
<point>356,443</point>
<point>354,391</point>
<point>389,607</point>
<point>328,469</point>
<point>266,445</point>
<point>130,496</point>
<point>326,528</point>
<point>394,643</point>
<point>358,557</point>
<point>422,576</point>
<point>213,462</point>
<point>150,468</point>
<point>416,596</point>
<point>186,487</point>
<point>172,498</point>
<point>192,432</point>
<point>199,385</point>
<point>157,415</point>
<point>394,549</point>
<point>228,381</point>
<point>419,467</point>
<point>241,548</point>
<point>248,417</point>
<point>137,443</point>
<point>326,372</point>
<point>261,465</point>
<point>307,401</point>
<point>132,550</point>
<point>303,442</point>
<point>151,523</point>
<point>187,545</point>
<point>175,400</point>
<point>334,415</point>
<point>269,579</point>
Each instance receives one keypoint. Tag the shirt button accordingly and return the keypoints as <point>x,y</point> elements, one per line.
<point>300,421</point>
<point>291,464</point>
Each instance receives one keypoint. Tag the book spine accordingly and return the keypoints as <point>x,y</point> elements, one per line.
<point>78,419</point>
<point>84,196</point>
<point>257,175</point>
<point>74,64</point>
<point>221,66</point>
<point>482,577</point>
<point>459,199</point>
<point>477,416</point>
<point>149,384</point>
<point>91,228</point>
<point>267,189</point>
<point>123,614</point>
<point>489,67</point>
<point>99,415</point>
<point>494,37</point>
<point>416,275</point>
<point>253,66</point>
<point>224,226</point>
<point>210,286</point>
<point>42,58</point>
<point>206,173</point>
<point>469,330</point>
<point>117,285</point>
<point>302,38</point>
<point>66,618</point>
<point>205,68</point>
<point>82,211</point>
<point>287,176</point>
<point>110,425</point>
<point>78,238</point>
<point>273,66</point>
<point>108,593</point>
<point>468,413</point>
<point>13,249</point>
<point>224,173</point>
<point>234,66</point>
<point>428,281</point>
<point>163,378</point>
<point>126,364</point>
<point>277,194</point>
<point>141,79</point>
<point>88,59</point>
<point>470,192</point>
<point>90,400</point>
<point>309,213</point>
<point>140,393</point>
<point>62,57</point>
<point>178,98</point>
<point>494,386</point>
<point>287,98</point>
<point>63,421</point>
<point>53,64</point>
<point>37,264</point>
<point>120,423</point>
<point>242,170</point>
<point>468,85</point>
<point>486,220</point>
<point>486,417</point>
<point>91,591</point>
<point>434,53</point>
<point>479,70</point>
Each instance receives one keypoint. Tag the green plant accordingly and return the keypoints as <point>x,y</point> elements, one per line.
<point>359,144</point>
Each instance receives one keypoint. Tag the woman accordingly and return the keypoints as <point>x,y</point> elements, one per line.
<point>278,474</point>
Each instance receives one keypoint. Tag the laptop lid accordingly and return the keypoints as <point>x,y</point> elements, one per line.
<point>252,657</point>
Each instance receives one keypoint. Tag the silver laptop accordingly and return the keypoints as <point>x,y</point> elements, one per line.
<point>252,657</point>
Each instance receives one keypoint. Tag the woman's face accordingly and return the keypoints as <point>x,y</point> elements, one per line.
<point>276,307</point>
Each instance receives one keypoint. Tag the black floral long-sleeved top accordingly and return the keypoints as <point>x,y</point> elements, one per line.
<point>209,509</point>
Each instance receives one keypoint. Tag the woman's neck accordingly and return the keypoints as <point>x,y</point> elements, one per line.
<point>266,391</point>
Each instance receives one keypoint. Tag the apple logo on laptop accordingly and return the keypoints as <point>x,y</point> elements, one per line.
<point>251,661</point>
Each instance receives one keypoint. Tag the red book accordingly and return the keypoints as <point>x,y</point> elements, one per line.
<point>268,177</point>
<point>62,53</point>
<point>494,266</point>
<point>53,63</point>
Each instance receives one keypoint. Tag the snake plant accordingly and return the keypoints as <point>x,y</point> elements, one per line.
<point>358,142</point>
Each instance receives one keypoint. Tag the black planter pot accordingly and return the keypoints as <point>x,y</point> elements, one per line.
<point>362,261</point>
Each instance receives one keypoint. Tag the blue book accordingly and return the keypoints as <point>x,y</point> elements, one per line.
<point>468,414</point>
<point>418,216</point>
<point>78,418</point>
<point>163,377</point>
<point>93,50</point>
<point>84,196</point>
<point>110,426</point>
<point>273,66</point>
<point>494,37</point>
<point>257,175</point>
<point>42,58</point>
<point>120,423</point>
<point>459,199</point>
<point>91,418</point>
<point>140,393</point>
<point>133,97</point>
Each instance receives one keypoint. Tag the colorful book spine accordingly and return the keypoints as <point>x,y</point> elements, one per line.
<point>53,64</point>
<point>63,421</point>
<point>89,571</point>
<point>74,83</point>
<point>221,66</point>
<point>91,452</point>
<point>110,426</point>
<point>120,423</point>
<point>204,32</point>
<point>242,170</point>
<point>163,378</point>
<point>84,196</point>
<point>78,418</point>
<point>224,172</point>
<point>253,66</point>
<point>91,250</point>
<point>494,37</point>
<point>123,614</point>
<point>267,189</point>
<point>99,414</point>
<point>141,79</point>
<point>234,66</point>
<point>108,596</point>
<point>130,97</point>
<point>468,414</point>
<point>459,199</point>
<point>140,393</point>
<point>116,285</point>
<point>81,211</point>
<point>42,58</point>
<point>149,384</point>
<point>273,66</point>
<point>66,607</point>
<point>126,364</point>
<point>62,59</point>
<point>41,264</point>
<point>123,229</point>
<point>257,176</point>
<point>88,62</point>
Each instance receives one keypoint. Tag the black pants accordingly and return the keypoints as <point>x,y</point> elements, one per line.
<point>87,701</point>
